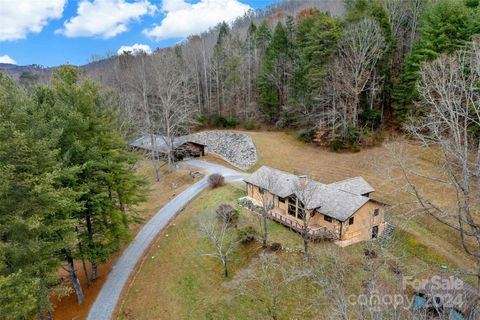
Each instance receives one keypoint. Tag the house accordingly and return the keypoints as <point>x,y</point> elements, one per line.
<point>342,211</point>
<point>447,297</point>
<point>181,147</point>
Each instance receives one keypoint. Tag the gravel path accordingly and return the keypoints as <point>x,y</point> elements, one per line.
<point>109,295</point>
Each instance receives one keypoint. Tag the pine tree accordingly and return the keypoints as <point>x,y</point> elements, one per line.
<point>36,208</point>
<point>446,26</point>
<point>273,82</point>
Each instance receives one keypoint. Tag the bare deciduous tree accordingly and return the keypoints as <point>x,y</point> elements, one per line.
<point>172,98</point>
<point>305,189</point>
<point>269,182</point>
<point>267,280</point>
<point>450,101</point>
<point>221,235</point>
<point>359,50</point>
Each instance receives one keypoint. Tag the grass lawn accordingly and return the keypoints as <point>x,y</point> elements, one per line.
<point>175,281</point>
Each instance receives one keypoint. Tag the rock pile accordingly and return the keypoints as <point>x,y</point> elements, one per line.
<point>235,147</point>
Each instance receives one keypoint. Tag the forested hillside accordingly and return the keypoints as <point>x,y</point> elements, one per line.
<point>348,68</point>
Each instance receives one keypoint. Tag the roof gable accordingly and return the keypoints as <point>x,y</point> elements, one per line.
<point>356,185</point>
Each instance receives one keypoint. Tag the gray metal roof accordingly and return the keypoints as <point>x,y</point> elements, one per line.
<point>338,200</point>
<point>356,185</point>
<point>145,142</point>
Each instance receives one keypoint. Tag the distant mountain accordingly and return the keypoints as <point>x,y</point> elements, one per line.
<point>42,74</point>
<point>36,71</point>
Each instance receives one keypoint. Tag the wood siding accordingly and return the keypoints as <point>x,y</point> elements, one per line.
<point>360,230</point>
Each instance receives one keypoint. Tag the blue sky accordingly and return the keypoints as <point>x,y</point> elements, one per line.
<point>53,32</point>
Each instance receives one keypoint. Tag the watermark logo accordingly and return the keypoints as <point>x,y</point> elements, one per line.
<point>434,292</point>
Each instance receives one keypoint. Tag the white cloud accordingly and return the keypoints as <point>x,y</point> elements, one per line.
<point>183,19</point>
<point>135,49</point>
<point>20,17</point>
<point>6,59</point>
<point>104,18</point>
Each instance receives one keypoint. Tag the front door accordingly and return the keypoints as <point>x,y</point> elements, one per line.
<point>374,232</point>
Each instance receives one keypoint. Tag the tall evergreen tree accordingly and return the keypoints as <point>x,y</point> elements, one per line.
<point>446,26</point>
<point>274,75</point>
<point>36,209</point>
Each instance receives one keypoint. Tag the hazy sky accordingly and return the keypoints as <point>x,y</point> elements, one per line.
<point>53,32</point>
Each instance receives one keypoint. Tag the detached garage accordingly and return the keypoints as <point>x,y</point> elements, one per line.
<point>180,147</point>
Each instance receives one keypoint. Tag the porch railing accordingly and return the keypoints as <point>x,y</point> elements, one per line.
<point>317,233</point>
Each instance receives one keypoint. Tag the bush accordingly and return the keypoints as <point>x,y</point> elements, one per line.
<point>226,212</point>
<point>216,180</point>
<point>371,118</point>
<point>249,125</point>
<point>246,234</point>
<point>306,135</point>
<point>248,204</point>
<point>231,121</point>
<point>349,140</point>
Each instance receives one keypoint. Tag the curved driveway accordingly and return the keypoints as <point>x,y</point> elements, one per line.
<point>109,295</point>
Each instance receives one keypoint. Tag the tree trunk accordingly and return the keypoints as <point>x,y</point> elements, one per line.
<point>225,267</point>
<point>94,269</point>
<point>73,276</point>
<point>39,311</point>
<point>88,219</point>
<point>84,264</point>
<point>265,230</point>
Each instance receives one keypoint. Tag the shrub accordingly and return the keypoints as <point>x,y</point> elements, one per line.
<point>306,135</point>
<point>336,144</point>
<point>248,204</point>
<point>246,234</point>
<point>217,121</point>
<point>216,180</point>
<point>227,213</point>
<point>231,121</point>
<point>371,118</point>
<point>249,125</point>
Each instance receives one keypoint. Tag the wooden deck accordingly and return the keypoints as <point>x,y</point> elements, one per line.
<point>315,232</point>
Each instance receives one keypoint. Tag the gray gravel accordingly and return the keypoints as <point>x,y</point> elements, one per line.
<point>235,147</point>
<point>109,295</point>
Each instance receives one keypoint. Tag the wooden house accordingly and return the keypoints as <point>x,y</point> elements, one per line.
<point>180,147</point>
<point>342,211</point>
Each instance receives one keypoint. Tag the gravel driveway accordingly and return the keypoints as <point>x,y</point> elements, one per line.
<point>109,295</point>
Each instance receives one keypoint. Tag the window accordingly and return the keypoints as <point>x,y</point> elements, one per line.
<point>376,212</point>
<point>327,218</point>
<point>350,221</point>
<point>261,190</point>
<point>280,199</point>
